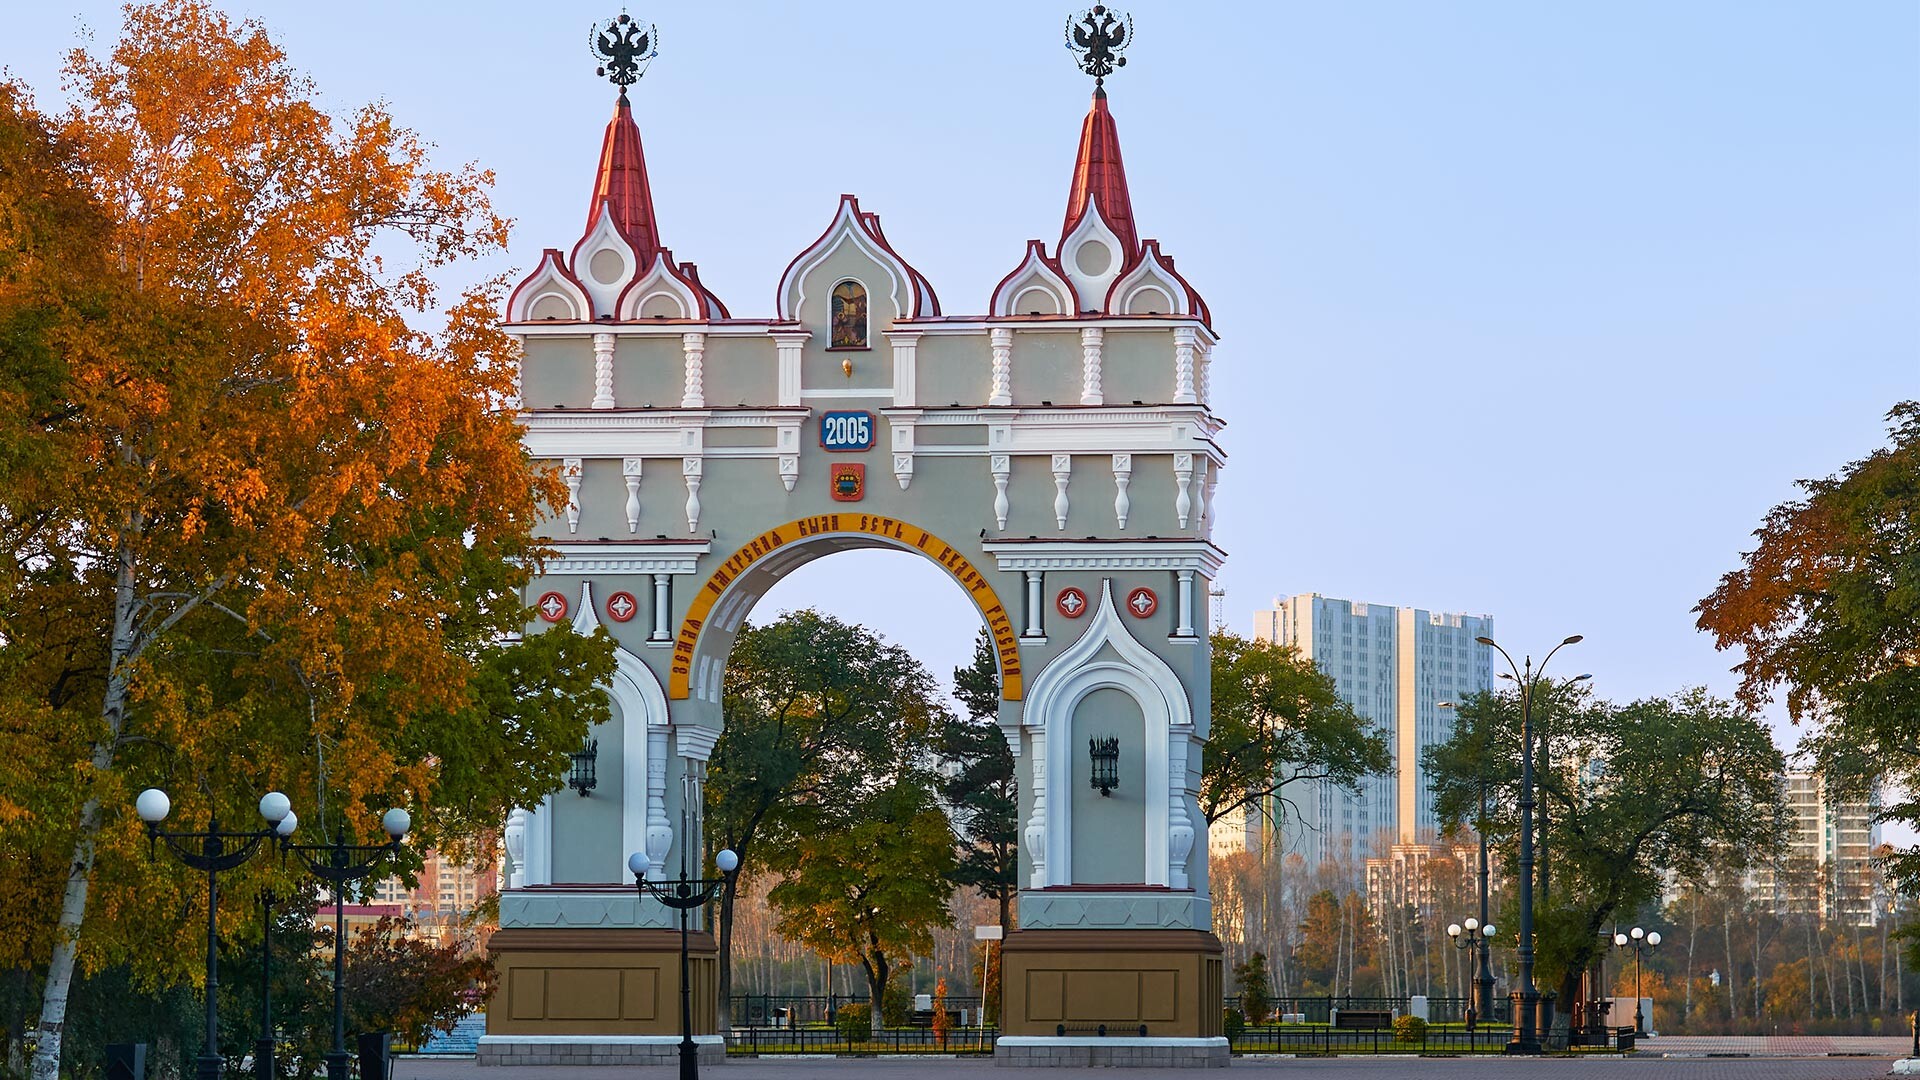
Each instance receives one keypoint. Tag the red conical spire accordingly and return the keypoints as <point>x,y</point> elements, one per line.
<point>1100,177</point>
<point>622,184</point>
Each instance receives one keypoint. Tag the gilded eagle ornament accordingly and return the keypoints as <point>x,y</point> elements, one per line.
<point>1098,37</point>
<point>623,48</point>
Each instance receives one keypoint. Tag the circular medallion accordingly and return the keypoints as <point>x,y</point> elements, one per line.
<point>552,606</point>
<point>1071,602</point>
<point>621,606</point>
<point>1141,602</point>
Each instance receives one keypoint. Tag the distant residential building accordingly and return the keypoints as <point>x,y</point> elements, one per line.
<point>448,893</point>
<point>1416,876</point>
<point>1828,869</point>
<point>1394,665</point>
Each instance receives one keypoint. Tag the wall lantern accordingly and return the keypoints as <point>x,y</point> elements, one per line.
<point>581,777</point>
<point>1106,763</point>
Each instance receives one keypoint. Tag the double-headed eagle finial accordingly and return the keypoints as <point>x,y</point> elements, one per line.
<point>1098,37</point>
<point>623,48</point>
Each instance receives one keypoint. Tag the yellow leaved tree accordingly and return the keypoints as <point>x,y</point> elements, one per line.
<point>254,514</point>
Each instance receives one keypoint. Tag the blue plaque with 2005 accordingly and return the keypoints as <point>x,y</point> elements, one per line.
<point>846,430</point>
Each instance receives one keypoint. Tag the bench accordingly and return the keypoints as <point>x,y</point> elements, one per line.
<point>1363,1019</point>
<point>1623,1038</point>
<point>1064,1030</point>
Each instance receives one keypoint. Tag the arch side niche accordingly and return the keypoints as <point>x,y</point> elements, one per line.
<point>1092,255</point>
<point>660,293</point>
<point>606,262</point>
<point>1106,656</point>
<point>549,293</point>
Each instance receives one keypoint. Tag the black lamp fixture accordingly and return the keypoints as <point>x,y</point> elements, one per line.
<point>1106,763</point>
<point>581,776</point>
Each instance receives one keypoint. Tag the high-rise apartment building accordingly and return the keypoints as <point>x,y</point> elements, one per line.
<point>1395,666</point>
<point>1828,869</point>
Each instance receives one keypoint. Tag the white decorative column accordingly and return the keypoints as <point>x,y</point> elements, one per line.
<point>1001,391</point>
<point>1090,341</point>
<point>788,346</point>
<point>1183,479</point>
<point>904,343</point>
<point>630,472</point>
<point>1037,822</point>
<point>659,829</point>
<point>1034,600</point>
<point>1122,476</point>
<point>1185,628</point>
<point>603,371</point>
<point>517,848</point>
<point>1204,377</point>
<point>690,469</point>
<point>695,348</point>
<point>1185,342</point>
<point>1002,467</point>
<point>1179,823</point>
<point>570,468</point>
<point>1200,491</point>
<point>662,608</point>
<point>1062,472</point>
<point>1213,513</point>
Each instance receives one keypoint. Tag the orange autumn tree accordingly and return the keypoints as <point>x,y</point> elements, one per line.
<point>262,521</point>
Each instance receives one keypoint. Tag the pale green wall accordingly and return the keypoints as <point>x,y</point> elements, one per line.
<point>647,372</point>
<point>586,832</point>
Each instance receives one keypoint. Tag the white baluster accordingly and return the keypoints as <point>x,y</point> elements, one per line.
<point>1002,466</point>
<point>630,472</point>
<point>1179,824</point>
<point>1034,614</point>
<point>659,828</point>
<point>1122,476</point>
<point>1062,472</point>
<point>690,469</point>
<point>517,848</point>
<point>662,607</point>
<point>1183,479</point>
<point>571,468</point>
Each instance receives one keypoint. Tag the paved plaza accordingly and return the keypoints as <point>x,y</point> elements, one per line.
<point>1639,1067</point>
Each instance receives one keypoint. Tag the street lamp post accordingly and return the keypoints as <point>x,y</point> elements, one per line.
<point>264,1067</point>
<point>1477,935</point>
<point>216,851</point>
<point>1639,941</point>
<point>1483,982</point>
<point>340,864</point>
<point>683,895</point>
<point>1526,1039</point>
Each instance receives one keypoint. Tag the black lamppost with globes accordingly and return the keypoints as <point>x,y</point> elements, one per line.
<point>683,895</point>
<point>212,851</point>
<point>1526,1036</point>
<point>1639,941</point>
<point>340,864</point>
<point>1483,982</point>
<point>1476,935</point>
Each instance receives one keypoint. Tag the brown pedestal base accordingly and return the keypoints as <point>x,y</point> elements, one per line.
<point>575,982</point>
<point>1155,984</point>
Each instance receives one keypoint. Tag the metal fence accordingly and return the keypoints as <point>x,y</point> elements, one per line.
<point>1319,1010</point>
<point>825,1040</point>
<point>1323,1039</point>
<point>799,1010</point>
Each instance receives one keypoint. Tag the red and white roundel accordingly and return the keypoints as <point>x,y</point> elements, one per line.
<point>552,606</point>
<point>1071,602</point>
<point>1141,602</point>
<point>621,606</point>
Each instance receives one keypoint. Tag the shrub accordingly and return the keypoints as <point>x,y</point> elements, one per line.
<point>1233,1025</point>
<point>1256,988</point>
<point>854,1023</point>
<point>1409,1029</point>
<point>896,1004</point>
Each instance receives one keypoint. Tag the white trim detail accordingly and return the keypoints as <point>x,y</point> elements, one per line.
<point>846,227</point>
<point>604,236</point>
<point>674,557</point>
<point>549,278</point>
<point>1051,700</point>
<point>904,342</point>
<point>1150,276</point>
<point>1131,555</point>
<point>660,280</point>
<point>1033,275</point>
<point>1092,287</point>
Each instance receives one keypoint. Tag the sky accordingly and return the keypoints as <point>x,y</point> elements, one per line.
<point>1528,310</point>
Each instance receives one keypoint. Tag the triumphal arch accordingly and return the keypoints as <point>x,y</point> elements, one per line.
<point>1055,454</point>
